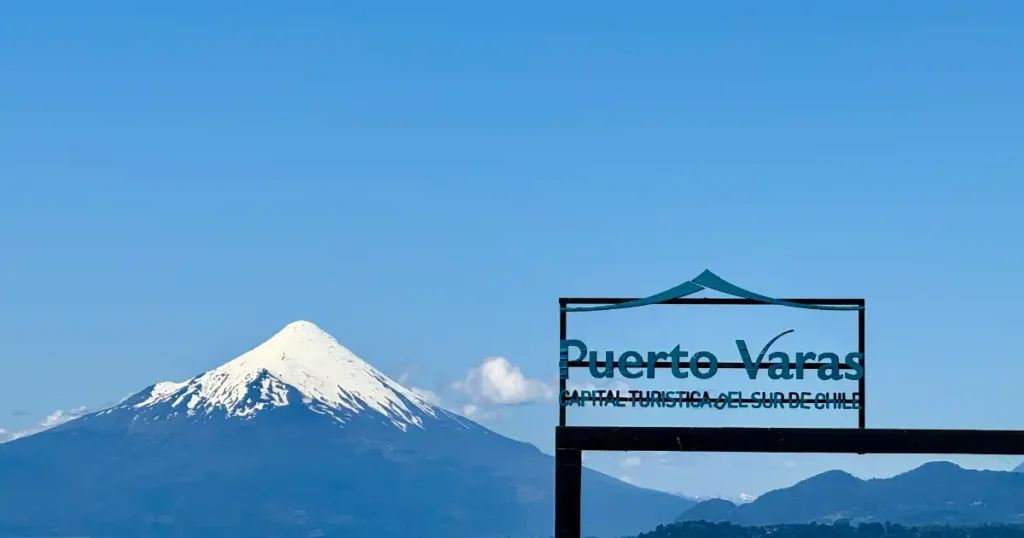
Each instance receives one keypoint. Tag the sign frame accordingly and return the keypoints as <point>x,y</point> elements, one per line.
<point>565,302</point>
<point>571,441</point>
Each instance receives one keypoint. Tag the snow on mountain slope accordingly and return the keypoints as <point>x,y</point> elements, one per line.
<point>301,362</point>
<point>297,437</point>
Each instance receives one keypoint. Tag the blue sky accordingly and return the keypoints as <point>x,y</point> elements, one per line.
<point>178,182</point>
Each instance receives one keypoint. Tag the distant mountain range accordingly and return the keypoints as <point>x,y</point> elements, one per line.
<point>935,493</point>
<point>740,498</point>
<point>840,529</point>
<point>298,437</point>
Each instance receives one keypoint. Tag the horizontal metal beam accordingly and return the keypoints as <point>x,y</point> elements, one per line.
<point>793,440</point>
<point>685,365</point>
<point>564,301</point>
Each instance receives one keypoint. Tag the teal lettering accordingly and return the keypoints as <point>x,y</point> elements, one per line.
<point>794,400</point>
<point>722,401</point>
<point>676,354</point>
<point>829,371</point>
<point>610,398</point>
<point>853,360</point>
<point>821,401</point>
<point>564,354</point>
<point>805,400</point>
<point>630,359</point>
<point>750,366</point>
<point>735,400</point>
<point>801,358</point>
<point>712,365</point>
<point>609,364</point>
<point>706,399</point>
<point>658,397</point>
<point>780,370</point>
<point>652,360</point>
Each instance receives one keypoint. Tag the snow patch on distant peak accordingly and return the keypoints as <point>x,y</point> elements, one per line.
<point>304,358</point>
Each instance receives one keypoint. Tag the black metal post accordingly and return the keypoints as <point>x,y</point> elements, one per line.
<point>860,349</point>
<point>568,489</point>
<point>561,381</point>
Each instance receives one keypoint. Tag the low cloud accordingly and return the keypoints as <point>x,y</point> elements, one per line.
<point>59,417</point>
<point>498,381</point>
<point>52,420</point>
<point>631,461</point>
<point>627,479</point>
<point>474,412</point>
<point>427,395</point>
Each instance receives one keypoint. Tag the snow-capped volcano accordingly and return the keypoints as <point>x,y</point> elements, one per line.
<point>300,365</point>
<point>297,437</point>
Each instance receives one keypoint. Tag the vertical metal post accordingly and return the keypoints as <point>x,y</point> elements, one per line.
<point>863,359</point>
<point>568,464</point>
<point>568,489</point>
<point>561,382</point>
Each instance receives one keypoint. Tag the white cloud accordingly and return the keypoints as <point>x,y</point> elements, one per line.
<point>59,417</point>
<point>497,381</point>
<point>427,395</point>
<point>52,420</point>
<point>789,464</point>
<point>627,479</point>
<point>473,412</point>
<point>631,461</point>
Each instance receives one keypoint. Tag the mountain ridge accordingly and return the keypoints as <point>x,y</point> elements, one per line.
<point>937,492</point>
<point>295,437</point>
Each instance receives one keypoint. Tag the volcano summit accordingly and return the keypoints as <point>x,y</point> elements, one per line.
<point>296,437</point>
<point>300,365</point>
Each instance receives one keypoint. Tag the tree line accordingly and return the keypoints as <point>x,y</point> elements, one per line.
<point>839,529</point>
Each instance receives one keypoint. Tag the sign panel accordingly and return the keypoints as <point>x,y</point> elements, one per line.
<point>681,367</point>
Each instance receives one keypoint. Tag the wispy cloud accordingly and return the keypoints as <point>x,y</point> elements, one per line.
<point>52,420</point>
<point>474,412</point>
<point>631,461</point>
<point>427,395</point>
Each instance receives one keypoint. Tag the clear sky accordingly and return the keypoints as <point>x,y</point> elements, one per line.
<point>178,182</point>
